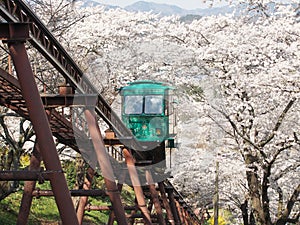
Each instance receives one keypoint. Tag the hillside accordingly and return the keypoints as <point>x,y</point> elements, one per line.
<point>164,9</point>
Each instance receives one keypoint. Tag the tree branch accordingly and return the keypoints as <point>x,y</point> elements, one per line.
<point>7,137</point>
<point>290,204</point>
<point>278,124</point>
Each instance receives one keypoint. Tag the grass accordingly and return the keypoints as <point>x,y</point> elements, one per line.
<point>44,210</point>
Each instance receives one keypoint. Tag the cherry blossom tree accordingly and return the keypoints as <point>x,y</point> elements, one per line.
<point>252,62</point>
<point>238,80</point>
<point>257,79</point>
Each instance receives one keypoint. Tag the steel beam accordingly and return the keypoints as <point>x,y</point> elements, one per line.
<point>94,193</point>
<point>41,126</point>
<point>105,165</point>
<point>167,205</point>
<point>84,100</point>
<point>172,202</point>
<point>83,200</point>
<point>14,32</point>
<point>137,186</point>
<point>155,199</point>
<point>26,175</point>
<point>43,40</point>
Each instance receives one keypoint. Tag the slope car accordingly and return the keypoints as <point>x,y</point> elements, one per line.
<point>147,111</point>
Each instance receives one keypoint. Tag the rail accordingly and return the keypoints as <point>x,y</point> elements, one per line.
<point>42,39</point>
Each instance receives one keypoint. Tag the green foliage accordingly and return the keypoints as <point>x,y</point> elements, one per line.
<point>44,209</point>
<point>70,172</point>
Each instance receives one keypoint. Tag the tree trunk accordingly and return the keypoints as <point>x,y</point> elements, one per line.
<point>216,196</point>
<point>244,209</point>
<point>254,188</point>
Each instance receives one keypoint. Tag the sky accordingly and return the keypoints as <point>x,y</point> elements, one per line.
<point>185,4</point>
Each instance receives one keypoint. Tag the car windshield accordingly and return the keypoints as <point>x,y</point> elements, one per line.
<point>133,104</point>
<point>153,104</point>
<point>138,104</point>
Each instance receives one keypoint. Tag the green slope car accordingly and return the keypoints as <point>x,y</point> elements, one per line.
<point>147,109</point>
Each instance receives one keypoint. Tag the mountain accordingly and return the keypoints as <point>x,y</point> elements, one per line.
<point>93,3</point>
<point>167,10</point>
<point>163,9</point>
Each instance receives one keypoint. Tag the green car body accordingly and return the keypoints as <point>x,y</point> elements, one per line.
<point>146,110</point>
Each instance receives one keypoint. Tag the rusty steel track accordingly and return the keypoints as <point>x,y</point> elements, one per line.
<point>11,97</point>
<point>42,39</point>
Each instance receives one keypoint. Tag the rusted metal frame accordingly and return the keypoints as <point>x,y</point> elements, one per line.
<point>185,215</point>
<point>169,189</point>
<point>9,78</point>
<point>191,217</point>
<point>16,32</point>
<point>29,186</point>
<point>25,175</point>
<point>87,100</point>
<point>95,192</point>
<point>10,86</point>
<point>155,198</point>
<point>137,186</point>
<point>181,201</point>
<point>22,111</point>
<point>83,200</point>
<point>105,208</point>
<point>62,61</point>
<point>179,210</point>
<point>120,183</point>
<point>41,126</point>
<point>117,154</point>
<point>166,204</point>
<point>105,165</point>
<point>68,69</point>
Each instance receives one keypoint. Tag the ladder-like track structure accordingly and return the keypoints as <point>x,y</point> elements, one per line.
<point>156,203</point>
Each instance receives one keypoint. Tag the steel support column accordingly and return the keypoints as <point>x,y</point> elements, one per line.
<point>106,167</point>
<point>178,206</point>
<point>120,183</point>
<point>167,205</point>
<point>155,198</point>
<point>40,123</point>
<point>83,200</point>
<point>173,204</point>
<point>137,186</point>
<point>35,162</point>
